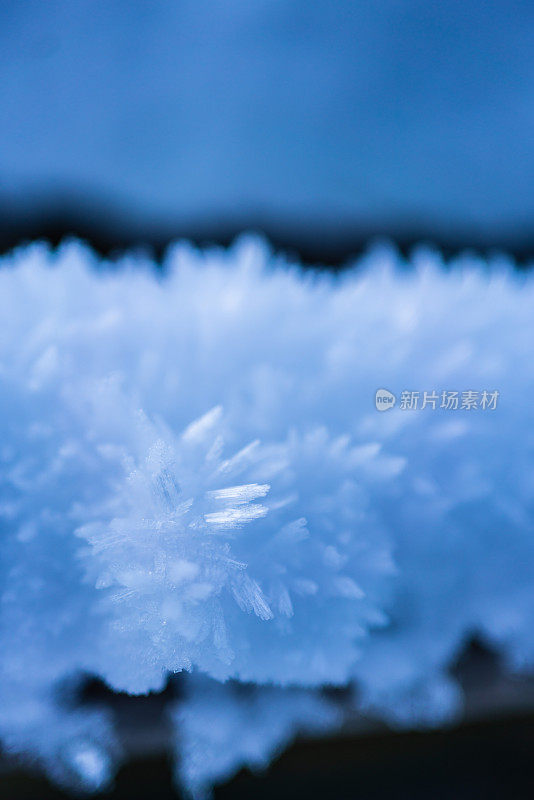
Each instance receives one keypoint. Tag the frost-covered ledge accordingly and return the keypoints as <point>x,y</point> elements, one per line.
<point>194,476</point>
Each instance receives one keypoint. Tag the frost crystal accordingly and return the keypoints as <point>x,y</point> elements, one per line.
<point>194,476</point>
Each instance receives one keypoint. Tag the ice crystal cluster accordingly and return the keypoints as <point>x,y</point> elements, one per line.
<point>194,477</point>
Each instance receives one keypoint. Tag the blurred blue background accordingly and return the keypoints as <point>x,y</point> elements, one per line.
<point>323,122</point>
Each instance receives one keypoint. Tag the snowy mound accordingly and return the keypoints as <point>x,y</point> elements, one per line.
<point>195,475</point>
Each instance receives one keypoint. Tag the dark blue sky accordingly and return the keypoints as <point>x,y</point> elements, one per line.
<point>325,113</point>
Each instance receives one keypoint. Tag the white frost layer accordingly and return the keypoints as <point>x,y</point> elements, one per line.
<point>193,475</point>
<point>221,728</point>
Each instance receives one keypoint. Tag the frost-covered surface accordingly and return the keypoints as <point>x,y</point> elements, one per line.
<point>222,727</point>
<point>193,476</point>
